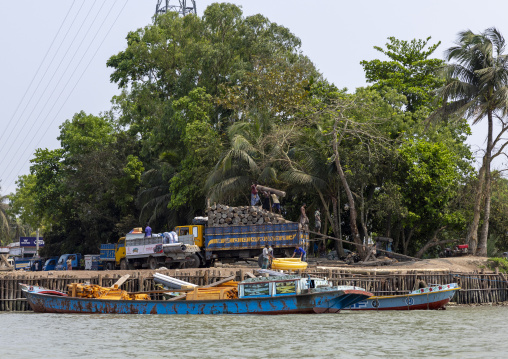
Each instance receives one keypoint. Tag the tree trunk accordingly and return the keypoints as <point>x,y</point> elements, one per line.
<point>336,227</point>
<point>405,241</point>
<point>472,234</point>
<point>432,243</point>
<point>363,220</point>
<point>482,245</point>
<point>352,209</point>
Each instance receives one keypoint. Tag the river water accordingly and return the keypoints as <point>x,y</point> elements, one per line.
<point>458,332</point>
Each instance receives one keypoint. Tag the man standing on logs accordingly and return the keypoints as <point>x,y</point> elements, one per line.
<point>275,203</point>
<point>254,197</point>
<point>317,219</point>
<point>304,220</point>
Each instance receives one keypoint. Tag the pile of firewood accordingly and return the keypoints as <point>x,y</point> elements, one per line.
<point>221,216</point>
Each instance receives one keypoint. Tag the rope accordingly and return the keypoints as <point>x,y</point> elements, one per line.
<point>482,279</point>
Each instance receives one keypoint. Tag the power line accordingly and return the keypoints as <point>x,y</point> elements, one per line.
<point>63,74</point>
<point>49,83</point>
<point>77,82</point>
<point>37,71</point>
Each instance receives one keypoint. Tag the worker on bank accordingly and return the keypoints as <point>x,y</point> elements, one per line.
<point>148,231</point>
<point>275,203</point>
<point>317,221</point>
<point>270,256</point>
<point>266,201</point>
<point>266,258</point>
<point>303,216</point>
<point>254,197</point>
<point>301,253</point>
<point>69,263</point>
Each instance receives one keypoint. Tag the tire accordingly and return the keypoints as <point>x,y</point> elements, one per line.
<point>192,261</point>
<point>123,265</point>
<point>110,266</point>
<point>260,261</point>
<point>153,263</point>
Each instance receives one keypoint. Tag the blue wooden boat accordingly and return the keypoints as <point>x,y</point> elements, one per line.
<point>435,297</point>
<point>273,295</point>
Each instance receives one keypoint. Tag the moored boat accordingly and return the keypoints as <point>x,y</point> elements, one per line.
<point>274,295</point>
<point>434,297</point>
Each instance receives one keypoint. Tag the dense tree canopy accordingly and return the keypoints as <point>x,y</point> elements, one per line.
<point>210,104</point>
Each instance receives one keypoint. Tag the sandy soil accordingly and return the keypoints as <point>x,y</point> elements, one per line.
<point>465,264</point>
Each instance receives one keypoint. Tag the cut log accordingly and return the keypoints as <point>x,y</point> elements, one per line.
<point>272,190</point>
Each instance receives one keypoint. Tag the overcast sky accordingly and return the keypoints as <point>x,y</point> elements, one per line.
<point>47,78</point>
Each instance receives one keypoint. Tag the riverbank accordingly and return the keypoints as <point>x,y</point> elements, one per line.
<point>466,264</point>
<point>477,284</point>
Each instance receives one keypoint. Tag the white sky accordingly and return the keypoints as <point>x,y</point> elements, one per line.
<point>336,35</point>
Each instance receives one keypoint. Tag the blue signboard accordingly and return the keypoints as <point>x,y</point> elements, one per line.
<point>30,242</point>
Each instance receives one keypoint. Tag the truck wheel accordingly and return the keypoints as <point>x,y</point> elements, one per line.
<point>109,266</point>
<point>192,261</point>
<point>123,265</point>
<point>152,263</point>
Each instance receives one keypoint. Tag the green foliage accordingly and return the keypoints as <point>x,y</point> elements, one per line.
<point>209,104</point>
<point>431,179</point>
<point>501,263</point>
<point>498,214</point>
<point>410,71</point>
<point>23,201</point>
<point>201,145</point>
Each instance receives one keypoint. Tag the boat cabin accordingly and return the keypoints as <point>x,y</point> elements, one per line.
<point>278,286</point>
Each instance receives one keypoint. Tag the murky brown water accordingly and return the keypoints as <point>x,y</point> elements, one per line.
<point>458,332</point>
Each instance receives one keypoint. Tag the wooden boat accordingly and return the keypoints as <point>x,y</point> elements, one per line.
<point>273,295</point>
<point>435,297</point>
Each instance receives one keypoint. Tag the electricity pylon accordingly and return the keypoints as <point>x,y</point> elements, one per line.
<point>182,8</point>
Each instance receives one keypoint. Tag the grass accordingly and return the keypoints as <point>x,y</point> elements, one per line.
<point>501,263</point>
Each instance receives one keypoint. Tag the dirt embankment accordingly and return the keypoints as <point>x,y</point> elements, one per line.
<point>467,264</point>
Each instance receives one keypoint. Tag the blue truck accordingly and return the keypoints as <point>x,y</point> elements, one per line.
<point>75,258</point>
<point>233,243</point>
<point>50,264</point>
<point>22,263</point>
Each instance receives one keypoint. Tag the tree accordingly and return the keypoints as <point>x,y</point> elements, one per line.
<point>477,87</point>
<point>187,80</point>
<point>410,72</point>
<point>83,193</point>
<point>4,219</point>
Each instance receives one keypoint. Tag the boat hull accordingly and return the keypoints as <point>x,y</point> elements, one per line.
<point>323,302</point>
<point>431,298</point>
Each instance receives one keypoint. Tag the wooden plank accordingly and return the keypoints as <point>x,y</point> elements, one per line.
<point>219,282</point>
<point>164,291</point>
<point>120,281</point>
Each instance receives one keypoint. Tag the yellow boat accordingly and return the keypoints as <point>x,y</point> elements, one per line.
<point>288,264</point>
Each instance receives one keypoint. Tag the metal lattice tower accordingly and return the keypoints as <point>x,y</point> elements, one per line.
<point>182,8</point>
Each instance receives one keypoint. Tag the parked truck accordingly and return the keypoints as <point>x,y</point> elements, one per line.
<point>233,243</point>
<point>75,258</point>
<point>137,251</point>
<point>199,245</point>
<point>50,264</point>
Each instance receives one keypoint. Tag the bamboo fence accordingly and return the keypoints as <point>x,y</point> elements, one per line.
<point>476,288</point>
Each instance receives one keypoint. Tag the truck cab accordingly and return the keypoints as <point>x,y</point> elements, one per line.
<point>196,230</point>
<point>50,264</point>
<point>62,261</point>
<point>120,253</point>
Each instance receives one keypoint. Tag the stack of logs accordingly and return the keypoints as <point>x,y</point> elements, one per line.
<point>221,216</point>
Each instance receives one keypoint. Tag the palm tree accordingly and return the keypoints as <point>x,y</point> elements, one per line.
<point>477,88</point>
<point>249,157</point>
<point>4,218</point>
